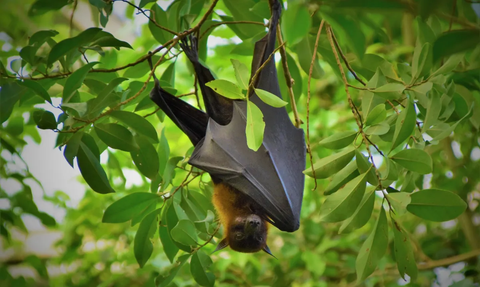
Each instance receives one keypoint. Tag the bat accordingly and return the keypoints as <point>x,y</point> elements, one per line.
<point>251,188</point>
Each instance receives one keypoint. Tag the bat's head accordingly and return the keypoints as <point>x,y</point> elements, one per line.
<point>246,234</point>
<point>245,224</point>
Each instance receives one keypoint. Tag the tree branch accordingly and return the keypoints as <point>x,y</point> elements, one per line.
<point>288,78</point>
<point>310,71</point>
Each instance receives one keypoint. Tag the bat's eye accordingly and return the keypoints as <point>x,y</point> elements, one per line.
<point>239,236</point>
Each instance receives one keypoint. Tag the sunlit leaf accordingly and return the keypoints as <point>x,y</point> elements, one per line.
<point>255,126</point>
<point>270,99</point>
<point>226,88</point>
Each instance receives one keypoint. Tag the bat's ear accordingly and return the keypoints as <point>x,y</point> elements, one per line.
<point>221,245</point>
<point>267,250</point>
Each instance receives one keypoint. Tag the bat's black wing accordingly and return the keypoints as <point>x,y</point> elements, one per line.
<point>271,176</point>
<point>190,120</point>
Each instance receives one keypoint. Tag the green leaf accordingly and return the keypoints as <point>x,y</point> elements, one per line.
<point>71,149</point>
<point>331,164</point>
<point>128,207</point>
<point>137,123</point>
<point>142,245</point>
<point>376,115</point>
<point>41,37</point>
<point>347,30</point>
<point>240,10</point>
<point>436,205</point>
<point>390,91</point>
<point>338,140</point>
<point>163,151</point>
<point>74,81</point>
<point>392,172</point>
<point>168,76</point>
<point>164,280</point>
<point>199,269</point>
<point>65,46</point>
<point>106,97</point>
<point>241,73</point>
<point>146,211</point>
<point>37,88</point>
<point>416,160</point>
<point>404,125</point>
<point>35,262</point>
<point>456,41</point>
<point>422,61</point>
<point>399,201</point>
<point>379,129</point>
<point>116,136</point>
<point>342,204</point>
<point>145,2</point>
<point>140,70</point>
<point>161,19</point>
<point>444,130</point>
<point>226,89</point>
<point>449,64</point>
<point>373,248</point>
<point>105,39</point>
<point>169,171</point>
<point>364,166</point>
<point>10,93</point>
<point>45,120</point>
<point>43,6</point>
<point>304,50</point>
<point>403,250</point>
<point>433,111</point>
<point>361,215</point>
<point>185,233</point>
<point>169,246</point>
<point>339,179</point>
<point>296,23</point>
<point>146,158</point>
<point>255,126</point>
<point>270,99</point>
<point>91,170</point>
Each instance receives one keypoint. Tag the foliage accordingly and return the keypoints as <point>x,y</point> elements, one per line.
<point>388,92</point>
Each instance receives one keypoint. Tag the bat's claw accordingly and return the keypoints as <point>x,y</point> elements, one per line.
<point>189,45</point>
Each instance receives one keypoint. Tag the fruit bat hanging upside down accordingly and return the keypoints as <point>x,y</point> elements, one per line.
<point>252,188</point>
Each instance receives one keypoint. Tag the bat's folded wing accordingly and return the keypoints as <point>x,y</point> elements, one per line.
<point>271,176</point>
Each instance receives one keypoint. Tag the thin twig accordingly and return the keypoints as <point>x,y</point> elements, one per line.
<point>288,78</point>
<point>229,23</point>
<point>453,13</point>
<point>257,72</point>
<point>152,113</point>
<point>172,43</point>
<point>209,240</point>
<point>346,62</point>
<point>310,71</point>
<point>149,18</point>
<point>354,109</point>
<point>75,3</point>
<point>142,59</point>
<point>186,94</point>
<point>74,130</point>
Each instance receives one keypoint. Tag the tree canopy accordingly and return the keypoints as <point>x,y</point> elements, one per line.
<point>387,92</point>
